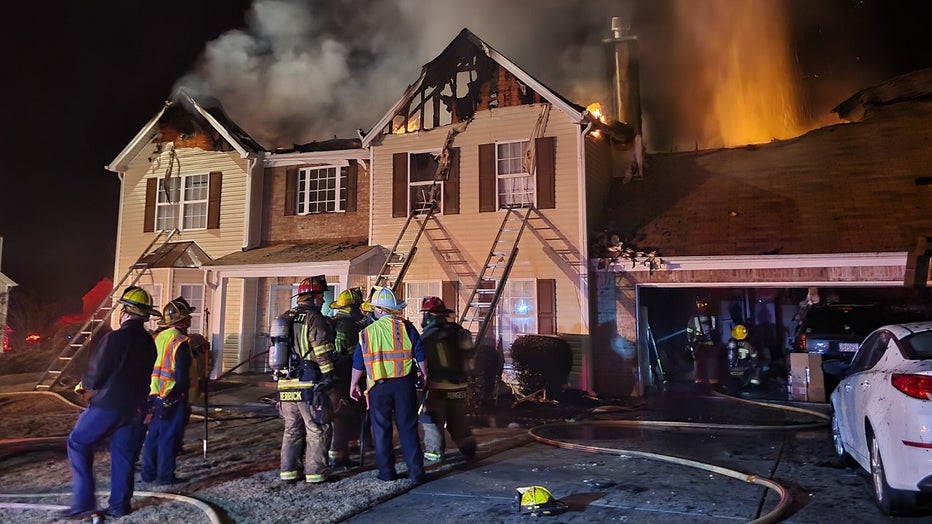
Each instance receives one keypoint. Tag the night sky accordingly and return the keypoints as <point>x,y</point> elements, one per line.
<point>82,79</point>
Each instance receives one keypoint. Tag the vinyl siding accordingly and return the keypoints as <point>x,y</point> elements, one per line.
<point>216,242</point>
<point>233,351</point>
<point>473,232</point>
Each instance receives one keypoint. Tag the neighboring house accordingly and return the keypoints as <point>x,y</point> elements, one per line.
<point>511,143</point>
<point>846,208</point>
<point>191,171</point>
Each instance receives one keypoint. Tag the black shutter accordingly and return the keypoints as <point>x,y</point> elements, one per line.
<point>400,185</point>
<point>546,172</point>
<point>291,190</point>
<point>148,222</point>
<point>214,186</point>
<point>451,187</point>
<point>486,177</point>
<point>351,174</point>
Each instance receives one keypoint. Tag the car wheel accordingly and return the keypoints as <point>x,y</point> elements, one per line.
<point>842,456</point>
<point>890,501</point>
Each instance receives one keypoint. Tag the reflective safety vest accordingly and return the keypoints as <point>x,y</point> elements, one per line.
<point>163,374</point>
<point>386,350</point>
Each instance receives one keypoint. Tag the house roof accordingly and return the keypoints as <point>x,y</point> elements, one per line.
<point>311,252</point>
<point>916,85</point>
<point>849,188</point>
<point>208,108</point>
<point>176,254</point>
<point>438,70</point>
<point>6,281</point>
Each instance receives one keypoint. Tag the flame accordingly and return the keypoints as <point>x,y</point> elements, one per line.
<point>745,89</point>
<point>595,109</point>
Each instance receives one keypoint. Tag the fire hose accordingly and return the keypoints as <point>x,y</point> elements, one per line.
<point>773,515</point>
<point>212,515</point>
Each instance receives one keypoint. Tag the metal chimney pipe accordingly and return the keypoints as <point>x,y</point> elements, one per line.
<point>623,78</point>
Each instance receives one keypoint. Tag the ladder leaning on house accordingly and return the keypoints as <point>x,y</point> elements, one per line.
<point>101,316</point>
<point>399,258</point>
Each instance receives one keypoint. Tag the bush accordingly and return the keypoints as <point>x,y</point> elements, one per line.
<point>542,362</point>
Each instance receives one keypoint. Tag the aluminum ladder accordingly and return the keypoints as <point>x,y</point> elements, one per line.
<point>101,316</point>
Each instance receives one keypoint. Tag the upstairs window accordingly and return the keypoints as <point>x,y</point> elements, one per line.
<point>187,202</point>
<point>422,169</point>
<point>321,190</point>
<point>182,203</point>
<point>515,184</point>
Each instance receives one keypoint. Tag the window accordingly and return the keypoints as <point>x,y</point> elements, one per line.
<point>182,203</point>
<point>422,169</point>
<point>155,291</point>
<point>415,292</point>
<point>515,184</point>
<point>517,310</point>
<point>194,294</point>
<point>321,190</point>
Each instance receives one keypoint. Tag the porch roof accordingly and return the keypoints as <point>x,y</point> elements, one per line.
<point>303,253</point>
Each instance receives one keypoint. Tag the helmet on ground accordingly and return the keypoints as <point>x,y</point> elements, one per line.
<point>175,311</point>
<point>385,298</point>
<point>312,285</point>
<point>435,306</point>
<point>137,301</point>
<point>346,299</point>
<point>537,500</point>
<point>739,332</point>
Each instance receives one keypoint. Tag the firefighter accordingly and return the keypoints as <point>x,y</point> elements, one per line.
<point>747,361</point>
<point>447,347</point>
<point>701,333</point>
<point>117,380</point>
<point>389,353</point>
<point>346,321</point>
<point>304,403</point>
<point>168,394</point>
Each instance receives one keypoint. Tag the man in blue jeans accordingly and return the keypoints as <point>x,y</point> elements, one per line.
<point>117,379</point>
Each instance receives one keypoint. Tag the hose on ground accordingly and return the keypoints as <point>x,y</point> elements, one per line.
<point>208,511</point>
<point>772,516</point>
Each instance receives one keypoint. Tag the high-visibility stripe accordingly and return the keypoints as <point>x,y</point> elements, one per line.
<point>386,350</point>
<point>163,373</point>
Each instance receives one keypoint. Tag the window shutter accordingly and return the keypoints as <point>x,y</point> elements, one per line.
<point>148,223</point>
<point>486,177</point>
<point>450,291</point>
<point>352,171</point>
<point>291,190</point>
<point>451,187</point>
<point>214,185</point>
<point>400,185</point>
<point>546,172</point>
<point>546,306</point>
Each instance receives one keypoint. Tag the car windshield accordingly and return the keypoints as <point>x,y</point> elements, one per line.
<point>918,346</point>
<point>854,321</point>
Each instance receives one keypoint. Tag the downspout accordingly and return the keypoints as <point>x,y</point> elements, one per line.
<point>121,176</point>
<point>584,283</point>
<point>251,222</point>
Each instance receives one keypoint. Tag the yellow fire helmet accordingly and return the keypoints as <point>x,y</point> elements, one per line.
<point>537,501</point>
<point>739,332</point>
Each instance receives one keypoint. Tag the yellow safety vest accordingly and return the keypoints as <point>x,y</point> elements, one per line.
<point>163,374</point>
<point>386,350</point>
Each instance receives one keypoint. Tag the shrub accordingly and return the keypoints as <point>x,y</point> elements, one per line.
<point>542,362</point>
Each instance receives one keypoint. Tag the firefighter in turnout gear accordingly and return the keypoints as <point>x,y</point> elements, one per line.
<point>117,380</point>
<point>346,321</point>
<point>304,379</point>
<point>745,360</point>
<point>447,347</point>
<point>702,334</point>
<point>389,353</point>
<point>168,394</point>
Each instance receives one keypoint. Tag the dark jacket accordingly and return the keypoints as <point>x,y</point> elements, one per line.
<point>119,369</point>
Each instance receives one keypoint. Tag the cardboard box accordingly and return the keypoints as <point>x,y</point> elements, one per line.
<point>807,383</point>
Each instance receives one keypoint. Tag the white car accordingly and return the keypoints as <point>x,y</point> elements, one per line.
<point>882,414</point>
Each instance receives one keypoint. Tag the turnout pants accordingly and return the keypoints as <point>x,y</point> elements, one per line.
<point>446,408</point>
<point>303,436</point>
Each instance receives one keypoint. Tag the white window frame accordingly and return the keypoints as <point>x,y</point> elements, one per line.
<point>509,170</point>
<point>184,204</point>
<point>415,291</point>
<point>155,291</point>
<point>426,184</point>
<point>194,294</point>
<point>328,199</point>
<point>517,304</point>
